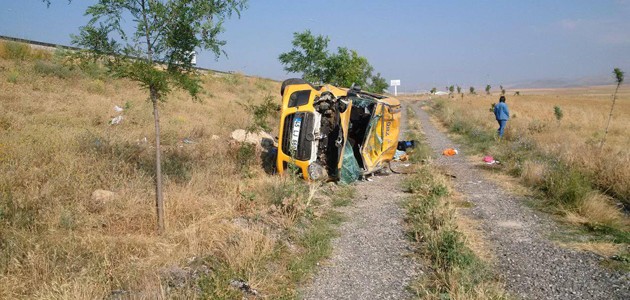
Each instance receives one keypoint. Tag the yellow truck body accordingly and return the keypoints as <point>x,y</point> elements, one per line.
<point>318,123</point>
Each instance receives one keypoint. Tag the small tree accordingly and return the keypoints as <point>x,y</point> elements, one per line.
<point>433,90</point>
<point>517,93</point>
<point>459,89</point>
<point>488,89</point>
<point>451,89</point>
<point>309,56</point>
<point>619,79</point>
<point>472,90</point>
<point>557,111</point>
<point>347,67</point>
<point>377,84</point>
<point>502,90</point>
<point>155,48</point>
<point>344,68</point>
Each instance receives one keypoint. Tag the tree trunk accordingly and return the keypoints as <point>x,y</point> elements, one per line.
<point>159,201</point>
<point>601,146</point>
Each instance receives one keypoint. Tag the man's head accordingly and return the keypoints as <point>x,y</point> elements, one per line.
<point>502,99</point>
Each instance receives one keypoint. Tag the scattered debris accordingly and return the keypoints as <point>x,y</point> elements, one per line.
<point>490,160</point>
<point>188,141</point>
<point>404,145</point>
<point>116,120</point>
<point>450,152</point>
<point>118,108</point>
<point>401,155</point>
<point>243,286</point>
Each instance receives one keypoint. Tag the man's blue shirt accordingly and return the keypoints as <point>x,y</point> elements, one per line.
<point>501,111</point>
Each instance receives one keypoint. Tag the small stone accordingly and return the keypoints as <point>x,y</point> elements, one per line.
<point>99,200</point>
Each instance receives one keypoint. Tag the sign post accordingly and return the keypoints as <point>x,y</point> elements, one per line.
<point>395,84</point>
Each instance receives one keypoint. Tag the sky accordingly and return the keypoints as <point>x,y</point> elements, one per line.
<point>423,44</point>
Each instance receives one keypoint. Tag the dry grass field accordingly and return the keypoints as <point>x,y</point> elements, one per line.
<point>225,217</point>
<point>562,158</point>
<point>576,137</point>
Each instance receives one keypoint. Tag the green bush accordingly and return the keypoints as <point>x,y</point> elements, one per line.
<point>53,69</point>
<point>565,187</point>
<point>13,76</point>
<point>246,157</point>
<point>449,250</point>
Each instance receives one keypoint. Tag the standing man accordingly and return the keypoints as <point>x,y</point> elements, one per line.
<point>502,114</point>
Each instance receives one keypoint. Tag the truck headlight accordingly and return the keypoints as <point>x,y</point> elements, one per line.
<point>317,172</point>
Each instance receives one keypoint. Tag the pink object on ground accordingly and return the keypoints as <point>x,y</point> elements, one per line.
<point>488,159</point>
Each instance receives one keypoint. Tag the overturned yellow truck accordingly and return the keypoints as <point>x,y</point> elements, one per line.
<point>336,134</point>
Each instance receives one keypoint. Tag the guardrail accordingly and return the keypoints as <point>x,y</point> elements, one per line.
<point>55,46</point>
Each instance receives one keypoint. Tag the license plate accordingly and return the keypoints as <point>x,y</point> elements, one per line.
<point>295,133</point>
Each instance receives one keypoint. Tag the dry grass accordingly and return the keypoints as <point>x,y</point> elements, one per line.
<point>563,158</point>
<point>592,211</point>
<point>576,138</point>
<point>471,229</point>
<point>57,148</point>
<point>603,249</point>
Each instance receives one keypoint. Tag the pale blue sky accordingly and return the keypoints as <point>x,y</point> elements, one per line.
<point>422,43</point>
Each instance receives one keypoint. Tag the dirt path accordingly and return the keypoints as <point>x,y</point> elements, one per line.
<point>369,260</point>
<point>532,266</point>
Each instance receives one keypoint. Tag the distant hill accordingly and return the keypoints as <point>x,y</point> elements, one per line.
<point>562,82</point>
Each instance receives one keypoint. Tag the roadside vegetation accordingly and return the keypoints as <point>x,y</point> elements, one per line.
<point>454,270</point>
<point>310,57</point>
<point>77,194</point>
<point>553,145</point>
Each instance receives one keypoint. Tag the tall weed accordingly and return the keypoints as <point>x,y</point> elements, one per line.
<point>14,50</point>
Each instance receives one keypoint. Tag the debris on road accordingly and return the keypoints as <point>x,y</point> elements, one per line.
<point>490,160</point>
<point>404,145</point>
<point>450,152</point>
<point>401,155</point>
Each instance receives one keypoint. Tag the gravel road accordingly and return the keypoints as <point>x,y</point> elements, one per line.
<point>371,257</point>
<point>531,265</point>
